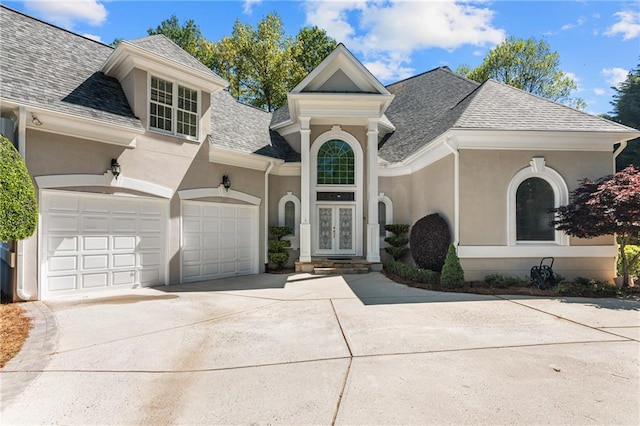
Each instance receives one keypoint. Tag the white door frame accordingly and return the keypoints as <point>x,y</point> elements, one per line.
<point>335,250</point>
<point>358,188</point>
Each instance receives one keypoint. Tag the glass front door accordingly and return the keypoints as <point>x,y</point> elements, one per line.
<point>335,229</point>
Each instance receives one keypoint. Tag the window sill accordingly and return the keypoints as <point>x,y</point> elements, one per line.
<point>177,136</point>
<point>536,251</point>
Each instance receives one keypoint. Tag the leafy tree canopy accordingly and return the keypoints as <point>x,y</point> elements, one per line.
<point>609,205</point>
<point>626,110</point>
<point>261,63</point>
<point>18,207</point>
<point>529,65</point>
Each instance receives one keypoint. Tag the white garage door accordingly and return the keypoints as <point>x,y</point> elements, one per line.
<point>96,242</point>
<point>218,240</point>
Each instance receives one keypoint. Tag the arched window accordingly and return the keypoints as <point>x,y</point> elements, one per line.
<point>534,200</point>
<point>532,193</point>
<point>335,164</point>
<point>385,216</point>
<point>289,215</point>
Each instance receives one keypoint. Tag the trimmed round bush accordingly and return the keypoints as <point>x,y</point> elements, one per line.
<point>430,239</point>
<point>18,206</point>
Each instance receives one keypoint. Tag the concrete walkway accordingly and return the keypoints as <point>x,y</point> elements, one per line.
<point>302,349</point>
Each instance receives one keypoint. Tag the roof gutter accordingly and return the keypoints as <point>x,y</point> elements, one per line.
<point>617,152</point>
<point>23,293</point>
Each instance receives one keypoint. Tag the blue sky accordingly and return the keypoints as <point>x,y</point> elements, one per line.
<point>598,41</point>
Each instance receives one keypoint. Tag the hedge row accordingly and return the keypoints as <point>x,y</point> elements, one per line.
<point>413,273</point>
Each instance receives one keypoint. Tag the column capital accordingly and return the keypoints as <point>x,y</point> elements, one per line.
<point>305,123</point>
<point>372,126</point>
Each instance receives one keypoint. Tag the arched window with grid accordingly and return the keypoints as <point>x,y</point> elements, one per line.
<point>336,164</point>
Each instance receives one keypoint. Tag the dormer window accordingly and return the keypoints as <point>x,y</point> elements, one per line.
<point>173,108</point>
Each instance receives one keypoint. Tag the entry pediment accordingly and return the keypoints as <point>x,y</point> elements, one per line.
<point>340,72</point>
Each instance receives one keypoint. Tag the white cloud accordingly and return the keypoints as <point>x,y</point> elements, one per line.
<point>615,75</point>
<point>628,25</point>
<point>599,91</point>
<point>247,7</point>
<point>69,12</point>
<point>575,79</point>
<point>579,22</point>
<point>92,37</point>
<point>387,33</point>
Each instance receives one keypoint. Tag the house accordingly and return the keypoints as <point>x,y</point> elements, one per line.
<point>148,172</point>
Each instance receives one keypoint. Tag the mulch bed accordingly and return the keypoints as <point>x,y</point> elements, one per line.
<point>14,329</point>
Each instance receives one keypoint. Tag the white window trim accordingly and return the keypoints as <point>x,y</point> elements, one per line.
<point>389,216</point>
<point>295,238</point>
<point>537,169</point>
<point>174,108</point>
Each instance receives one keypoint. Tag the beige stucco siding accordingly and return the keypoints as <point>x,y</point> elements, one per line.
<point>601,268</point>
<point>485,178</point>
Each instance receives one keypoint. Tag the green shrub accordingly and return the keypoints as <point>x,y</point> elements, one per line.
<point>505,281</point>
<point>412,273</point>
<point>634,266</point>
<point>18,205</point>
<point>585,287</point>
<point>277,255</point>
<point>398,241</point>
<point>430,239</point>
<point>452,275</point>
<point>397,228</point>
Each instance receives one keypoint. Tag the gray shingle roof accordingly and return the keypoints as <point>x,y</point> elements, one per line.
<point>281,115</point>
<point>419,109</point>
<point>243,128</point>
<point>498,106</point>
<point>160,45</point>
<point>48,67</point>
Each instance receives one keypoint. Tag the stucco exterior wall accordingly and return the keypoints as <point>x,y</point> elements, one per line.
<point>485,177</point>
<point>569,267</point>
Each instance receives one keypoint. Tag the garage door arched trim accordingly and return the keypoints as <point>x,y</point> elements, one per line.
<point>220,191</point>
<point>107,180</point>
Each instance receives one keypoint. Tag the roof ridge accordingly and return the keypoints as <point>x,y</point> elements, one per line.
<point>417,75</point>
<point>554,102</point>
<point>2,6</point>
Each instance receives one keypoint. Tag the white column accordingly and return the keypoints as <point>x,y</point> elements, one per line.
<point>373,227</point>
<point>305,189</point>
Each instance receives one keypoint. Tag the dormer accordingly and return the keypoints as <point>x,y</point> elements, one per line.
<point>340,89</point>
<point>167,88</point>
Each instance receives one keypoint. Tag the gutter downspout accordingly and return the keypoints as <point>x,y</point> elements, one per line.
<point>617,152</point>
<point>22,149</point>
<point>456,192</point>
<point>266,215</point>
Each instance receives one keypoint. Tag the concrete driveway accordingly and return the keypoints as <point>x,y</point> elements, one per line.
<point>301,349</point>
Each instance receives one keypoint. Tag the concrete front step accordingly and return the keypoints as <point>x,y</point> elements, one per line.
<point>340,271</point>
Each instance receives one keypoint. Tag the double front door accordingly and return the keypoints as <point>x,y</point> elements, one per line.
<point>335,229</point>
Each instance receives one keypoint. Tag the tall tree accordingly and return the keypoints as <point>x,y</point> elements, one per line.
<point>626,110</point>
<point>529,65</point>
<point>263,63</point>
<point>188,36</point>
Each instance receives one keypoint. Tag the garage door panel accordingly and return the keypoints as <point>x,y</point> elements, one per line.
<point>150,224</point>
<point>123,242</point>
<point>124,224</point>
<point>222,229</point>
<point>93,241</point>
<point>211,225</point>
<point>211,255</point>
<point>150,242</point>
<point>95,280</point>
<point>62,244</point>
<point>127,278</point>
<point>124,260</point>
<point>62,223</point>
<point>149,259</point>
<point>62,283</point>
<point>98,243</point>
<point>149,276</point>
<point>63,264</point>
<point>95,262</point>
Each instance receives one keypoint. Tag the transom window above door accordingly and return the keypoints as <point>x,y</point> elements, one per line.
<point>173,108</point>
<point>336,164</point>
